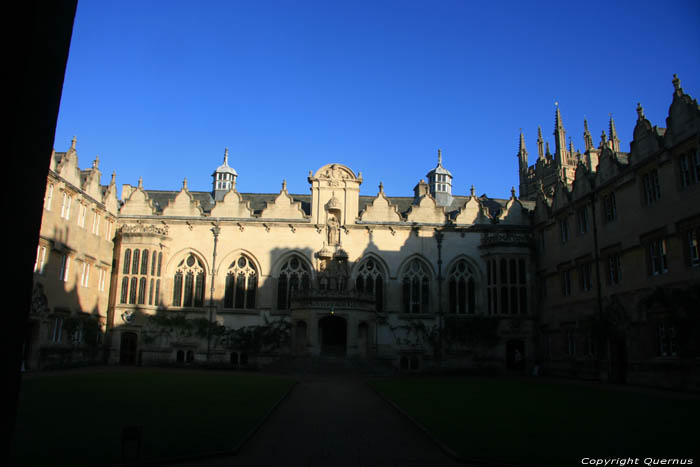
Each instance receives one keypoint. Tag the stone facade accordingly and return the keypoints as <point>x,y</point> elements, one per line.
<point>433,279</point>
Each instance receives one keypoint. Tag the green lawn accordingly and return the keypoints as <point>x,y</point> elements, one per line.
<point>539,423</point>
<point>77,419</point>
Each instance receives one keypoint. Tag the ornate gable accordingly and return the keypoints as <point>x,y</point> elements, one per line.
<point>561,197</point>
<point>426,211</point>
<point>471,212</point>
<point>109,199</point>
<point>283,207</point>
<point>232,205</point>
<point>183,205</point>
<point>582,182</point>
<point>514,213</point>
<point>683,119</point>
<point>380,210</point>
<point>138,203</point>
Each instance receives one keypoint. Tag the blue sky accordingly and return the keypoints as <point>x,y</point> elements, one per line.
<point>158,89</point>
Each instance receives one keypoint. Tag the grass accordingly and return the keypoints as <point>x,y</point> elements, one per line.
<point>77,419</point>
<point>537,423</point>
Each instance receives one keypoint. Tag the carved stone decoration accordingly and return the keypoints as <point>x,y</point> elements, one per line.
<point>40,304</point>
<point>144,229</point>
<point>333,274</point>
<point>505,238</point>
<point>333,227</point>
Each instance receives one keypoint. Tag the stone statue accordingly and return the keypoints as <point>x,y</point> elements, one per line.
<point>333,231</point>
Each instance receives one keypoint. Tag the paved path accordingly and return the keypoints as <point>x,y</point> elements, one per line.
<point>330,421</point>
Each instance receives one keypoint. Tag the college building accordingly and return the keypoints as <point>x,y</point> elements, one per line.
<point>591,271</point>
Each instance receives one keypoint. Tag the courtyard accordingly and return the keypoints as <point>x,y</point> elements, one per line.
<point>77,417</point>
<point>547,422</point>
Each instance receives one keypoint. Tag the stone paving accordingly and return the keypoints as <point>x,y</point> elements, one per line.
<point>334,420</point>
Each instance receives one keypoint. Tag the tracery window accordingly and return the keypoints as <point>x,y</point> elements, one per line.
<point>188,283</point>
<point>294,276</point>
<point>127,261</point>
<point>144,262</point>
<point>370,280</point>
<point>135,263</point>
<point>462,294</point>
<point>241,284</point>
<point>416,288</point>
<point>506,286</point>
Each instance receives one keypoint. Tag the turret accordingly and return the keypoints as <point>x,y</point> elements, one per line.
<point>440,181</point>
<point>224,179</point>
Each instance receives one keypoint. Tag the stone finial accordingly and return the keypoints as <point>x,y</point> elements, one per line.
<point>381,187</point>
<point>225,156</point>
<point>603,139</point>
<point>439,157</point>
<point>96,162</point>
<point>676,83</point>
<point>140,185</point>
<point>73,141</point>
<point>184,184</point>
<point>640,111</point>
<point>284,185</point>
<point>512,192</point>
<point>547,148</point>
<point>114,178</point>
<point>472,191</point>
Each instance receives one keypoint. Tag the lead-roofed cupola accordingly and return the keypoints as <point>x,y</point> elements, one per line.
<point>440,181</point>
<point>224,179</point>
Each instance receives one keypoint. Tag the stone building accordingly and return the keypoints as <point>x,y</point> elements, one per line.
<point>555,278</point>
<point>616,252</point>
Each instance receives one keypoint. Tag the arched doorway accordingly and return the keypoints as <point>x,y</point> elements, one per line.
<point>300,338</point>
<point>333,335</point>
<point>515,354</point>
<point>127,349</point>
<point>363,339</point>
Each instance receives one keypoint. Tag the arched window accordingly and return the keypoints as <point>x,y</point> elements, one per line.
<point>125,290</point>
<point>370,281</point>
<point>127,261</point>
<point>142,291</point>
<point>188,283</point>
<point>294,275</point>
<point>462,288</point>
<point>160,261</point>
<point>241,284</point>
<point>144,262</point>
<point>135,263</point>
<point>153,263</point>
<point>150,293</point>
<point>416,288</point>
<point>132,291</point>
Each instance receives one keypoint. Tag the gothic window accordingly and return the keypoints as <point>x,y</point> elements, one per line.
<point>506,286</point>
<point>153,263</point>
<point>651,187</point>
<point>656,257</point>
<point>157,297</point>
<point>614,269</point>
<point>132,291</point>
<point>188,283</point>
<point>135,263</point>
<point>462,294</point>
<point>125,290</point>
<point>150,293</point>
<point>689,168</point>
<point>370,281</point>
<point>144,262</point>
<point>609,207</point>
<point>127,261</point>
<point>564,230</point>
<point>585,277</point>
<point>294,276</point>
<point>142,291</point>
<point>241,284</point>
<point>416,288</point>
<point>160,261</point>
<point>582,219</point>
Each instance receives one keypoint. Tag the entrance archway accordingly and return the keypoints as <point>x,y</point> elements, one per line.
<point>127,349</point>
<point>515,354</point>
<point>333,335</point>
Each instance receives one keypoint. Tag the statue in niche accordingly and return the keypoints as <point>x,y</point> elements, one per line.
<point>333,231</point>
